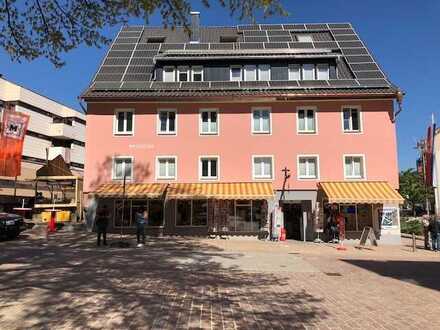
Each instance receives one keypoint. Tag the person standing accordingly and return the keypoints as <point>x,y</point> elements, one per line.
<point>434,231</point>
<point>141,220</point>
<point>101,225</point>
<point>425,223</point>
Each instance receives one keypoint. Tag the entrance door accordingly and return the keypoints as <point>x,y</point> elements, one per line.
<point>292,220</point>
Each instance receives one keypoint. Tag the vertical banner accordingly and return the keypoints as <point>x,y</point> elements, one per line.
<point>12,133</point>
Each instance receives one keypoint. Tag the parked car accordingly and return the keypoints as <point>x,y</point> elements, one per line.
<point>11,225</point>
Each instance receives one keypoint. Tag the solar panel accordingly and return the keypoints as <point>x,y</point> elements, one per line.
<point>326,44</point>
<point>108,77</point>
<point>148,46</point>
<point>145,53</point>
<point>280,38</point>
<point>141,61</point>
<point>117,61</point>
<point>165,85</point>
<point>359,59</point>
<point>195,85</point>
<point>343,31</point>
<point>253,84</point>
<point>137,77</point>
<point>130,34</point>
<point>339,26</point>
<point>255,39</point>
<point>364,67</point>
<point>313,83</point>
<point>112,69</point>
<point>126,40</point>
<point>139,69</point>
<point>346,37</point>
<point>135,85</point>
<point>351,44</point>
<point>119,53</point>
<point>343,82</point>
<point>224,46</point>
<point>106,85</point>
<point>248,27</point>
<point>283,83</point>
<point>278,33</point>
<point>276,45</point>
<point>197,46</point>
<point>354,51</point>
<point>373,82</point>
<point>250,45</point>
<point>316,27</point>
<point>171,46</point>
<point>224,84</point>
<point>132,28</point>
<point>254,33</point>
<point>368,74</point>
<point>294,26</point>
<point>271,26</point>
<point>123,47</point>
<point>299,45</point>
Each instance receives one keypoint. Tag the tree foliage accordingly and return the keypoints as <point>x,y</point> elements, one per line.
<point>412,188</point>
<point>48,28</point>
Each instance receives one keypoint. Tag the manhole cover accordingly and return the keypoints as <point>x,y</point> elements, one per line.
<point>333,274</point>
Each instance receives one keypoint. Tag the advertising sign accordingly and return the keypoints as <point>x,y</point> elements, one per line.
<point>388,217</point>
<point>12,133</point>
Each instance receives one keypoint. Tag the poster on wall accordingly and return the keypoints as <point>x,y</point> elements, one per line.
<point>388,217</point>
<point>13,130</point>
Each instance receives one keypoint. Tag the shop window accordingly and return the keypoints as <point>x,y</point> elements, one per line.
<point>122,213</point>
<point>262,167</point>
<point>168,74</point>
<point>243,219</point>
<point>307,167</point>
<point>197,73</point>
<point>354,167</point>
<point>364,216</point>
<point>250,72</point>
<point>261,121</point>
<point>155,212</point>
<point>349,213</point>
<point>123,122</point>
<point>167,122</point>
<point>209,122</point>
<point>209,168</point>
<point>125,212</point>
<point>245,215</point>
<point>258,215</point>
<point>351,120</point>
<point>122,166</point>
<point>166,168</point>
<point>192,212</point>
<point>306,121</point>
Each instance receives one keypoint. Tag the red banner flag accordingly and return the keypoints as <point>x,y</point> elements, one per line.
<point>13,130</point>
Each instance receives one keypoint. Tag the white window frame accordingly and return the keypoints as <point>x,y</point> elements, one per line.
<point>209,178</point>
<point>308,177</point>
<point>174,73</point>
<point>272,177</point>
<point>235,67</point>
<point>201,122</point>
<point>184,69</point>
<point>315,112</point>
<point>364,167</point>
<point>304,35</point>
<point>317,71</point>
<point>157,169</point>
<point>128,178</point>
<point>290,73</point>
<point>115,122</point>
<point>260,70</point>
<point>167,132</point>
<point>254,109</point>
<point>252,70</point>
<point>361,126</point>
<point>303,71</point>
<point>198,69</point>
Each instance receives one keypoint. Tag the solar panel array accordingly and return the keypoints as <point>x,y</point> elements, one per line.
<point>129,63</point>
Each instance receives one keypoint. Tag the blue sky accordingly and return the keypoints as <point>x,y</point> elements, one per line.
<point>404,37</point>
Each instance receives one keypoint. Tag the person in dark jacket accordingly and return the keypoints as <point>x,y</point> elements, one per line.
<point>434,229</point>
<point>101,225</point>
<point>141,221</point>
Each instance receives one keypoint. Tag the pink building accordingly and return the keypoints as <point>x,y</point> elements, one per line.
<point>244,130</point>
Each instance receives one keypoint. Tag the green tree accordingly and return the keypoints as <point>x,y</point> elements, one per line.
<point>48,28</point>
<point>412,188</point>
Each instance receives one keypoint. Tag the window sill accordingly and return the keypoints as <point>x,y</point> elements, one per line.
<point>166,133</point>
<point>209,134</point>
<point>123,133</point>
<point>353,132</point>
<point>261,133</point>
<point>307,132</point>
<point>308,178</point>
<point>262,178</point>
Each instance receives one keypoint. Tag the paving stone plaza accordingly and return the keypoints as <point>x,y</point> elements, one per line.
<point>66,282</point>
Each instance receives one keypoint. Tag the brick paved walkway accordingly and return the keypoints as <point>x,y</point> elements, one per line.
<point>67,282</point>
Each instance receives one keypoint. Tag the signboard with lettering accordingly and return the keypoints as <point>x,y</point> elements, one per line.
<point>388,217</point>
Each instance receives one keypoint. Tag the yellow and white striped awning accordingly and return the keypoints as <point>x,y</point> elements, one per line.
<point>132,190</point>
<point>233,190</point>
<point>370,192</point>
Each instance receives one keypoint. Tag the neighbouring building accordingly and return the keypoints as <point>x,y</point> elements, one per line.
<point>217,130</point>
<point>54,130</point>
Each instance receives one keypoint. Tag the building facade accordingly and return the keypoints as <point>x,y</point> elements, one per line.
<point>53,130</point>
<point>229,126</point>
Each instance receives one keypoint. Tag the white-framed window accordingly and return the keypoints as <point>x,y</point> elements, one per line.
<point>250,72</point>
<point>209,167</point>
<point>166,121</point>
<point>308,71</point>
<point>294,72</point>
<point>166,167</point>
<point>123,123</point>
<point>308,167</point>
<point>262,167</point>
<point>197,73</point>
<point>209,122</point>
<point>323,71</point>
<point>354,166</point>
<point>182,73</point>
<point>261,121</point>
<point>351,119</point>
<point>306,120</point>
<point>304,38</point>
<point>169,74</point>
<point>122,165</point>
<point>264,72</point>
<point>235,73</point>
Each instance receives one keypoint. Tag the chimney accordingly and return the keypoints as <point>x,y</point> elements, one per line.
<point>195,27</point>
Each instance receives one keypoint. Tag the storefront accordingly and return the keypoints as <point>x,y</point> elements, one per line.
<point>195,209</point>
<point>363,204</point>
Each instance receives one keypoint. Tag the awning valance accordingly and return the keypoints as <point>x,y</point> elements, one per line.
<point>132,190</point>
<point>233,190</point>
<point>370,192</point>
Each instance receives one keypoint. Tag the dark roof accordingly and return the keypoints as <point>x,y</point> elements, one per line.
<point>127,69</point>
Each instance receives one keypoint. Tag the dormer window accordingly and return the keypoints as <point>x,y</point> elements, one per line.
<point>183,73</point>
<point>235,73</point>
<point>156,40</point>
<point>294,72</point>
<point>250,72</point>
<point>322,71</point>
<point>168,74</point>
<point>197,73</point>
<point>264,72</point>
<point>304,38</point>
<point>308,71</point>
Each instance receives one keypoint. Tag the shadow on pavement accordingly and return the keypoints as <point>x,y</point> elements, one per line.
<point>66,282</point>
<point>422,273</point>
